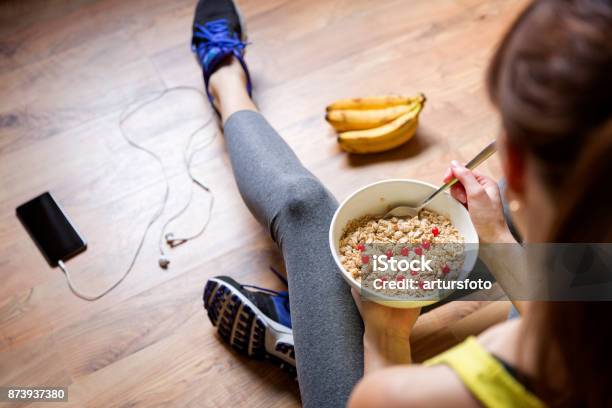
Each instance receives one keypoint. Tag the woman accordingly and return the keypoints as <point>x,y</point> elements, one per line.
<point>551,81</point>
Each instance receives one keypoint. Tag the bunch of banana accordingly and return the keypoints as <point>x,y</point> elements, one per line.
<point>375,124</point>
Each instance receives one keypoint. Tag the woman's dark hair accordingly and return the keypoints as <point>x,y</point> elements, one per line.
<point>551,79</point>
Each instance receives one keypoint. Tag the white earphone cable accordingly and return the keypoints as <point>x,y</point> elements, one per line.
<point>123,117</point>
<point>188,157</point>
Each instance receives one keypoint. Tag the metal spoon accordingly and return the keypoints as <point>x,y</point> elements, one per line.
<point>411,211</point>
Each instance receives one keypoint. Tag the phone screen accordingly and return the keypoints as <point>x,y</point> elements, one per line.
<point>50,229</point>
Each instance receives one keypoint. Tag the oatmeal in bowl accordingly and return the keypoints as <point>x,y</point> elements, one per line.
<point>402,261</point>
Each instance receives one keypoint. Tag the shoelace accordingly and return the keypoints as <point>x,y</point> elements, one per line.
<point>216,35</point>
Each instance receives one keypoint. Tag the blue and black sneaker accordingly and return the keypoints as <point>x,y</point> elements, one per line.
<point>218,33</point>
<point>254,321</point>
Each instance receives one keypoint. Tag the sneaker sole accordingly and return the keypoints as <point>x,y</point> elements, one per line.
<point>245,328</point>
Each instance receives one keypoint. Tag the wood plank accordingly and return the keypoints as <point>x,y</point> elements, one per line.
<point>69,67</point>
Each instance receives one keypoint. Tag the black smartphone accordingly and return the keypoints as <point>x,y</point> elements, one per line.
<point>50,229</point>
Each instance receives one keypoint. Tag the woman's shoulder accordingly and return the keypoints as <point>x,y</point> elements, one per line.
<point>503,341</point>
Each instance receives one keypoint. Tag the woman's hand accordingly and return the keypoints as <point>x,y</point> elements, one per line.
<point>480,194</point>
<point>379,319</point>
<point>387,333</point>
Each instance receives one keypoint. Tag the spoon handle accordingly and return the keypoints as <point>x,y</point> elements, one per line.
<point>472,164</point>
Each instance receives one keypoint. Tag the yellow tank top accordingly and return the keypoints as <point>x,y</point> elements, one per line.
<point>485,376</point>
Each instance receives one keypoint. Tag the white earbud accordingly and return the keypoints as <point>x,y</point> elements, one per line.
<point>164,262</point>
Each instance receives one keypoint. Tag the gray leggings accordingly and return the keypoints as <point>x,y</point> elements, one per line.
<point>297,209</point>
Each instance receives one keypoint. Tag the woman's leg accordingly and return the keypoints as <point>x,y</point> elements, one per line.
<point>296,208</point>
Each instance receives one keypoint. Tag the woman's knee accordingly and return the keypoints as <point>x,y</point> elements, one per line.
<point>307,197</point>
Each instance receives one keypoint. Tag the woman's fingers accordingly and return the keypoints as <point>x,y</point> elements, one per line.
<point>448,175</point>
<point>470,184</point>
<point>483,179</point>
<point>458,193</point>
<point>467,179</point>
<point>480,195</point>
<point>490,186</point>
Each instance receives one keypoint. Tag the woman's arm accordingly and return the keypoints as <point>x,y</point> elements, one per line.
<point>384,349</point>
<point>507,262</point>
<point>500,252</point>
<point>386,333</point>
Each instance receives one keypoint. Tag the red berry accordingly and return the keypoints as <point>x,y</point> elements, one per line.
<point>361,247</point>
<point>365,259</point>
<point>445,269</point>
<point>405,251</point>
<point>413,273</point>
<point>400,277</point>
<point>418,251</point>
<point>435,231</point>
<point>389,253</point>
<point>384,279</point>
<point>425,244</point>
<point>421,284</point>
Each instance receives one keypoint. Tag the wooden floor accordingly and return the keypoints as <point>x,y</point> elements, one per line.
<point>69,67</point>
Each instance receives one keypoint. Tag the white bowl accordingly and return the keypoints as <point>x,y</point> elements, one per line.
<point>378,198</point>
